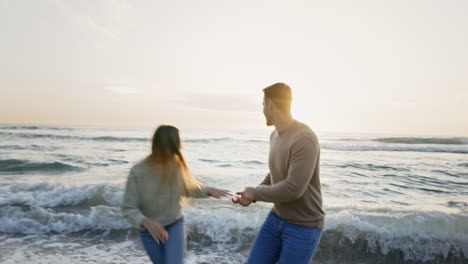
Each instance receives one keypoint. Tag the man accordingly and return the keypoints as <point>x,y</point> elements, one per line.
<point>292,230</point>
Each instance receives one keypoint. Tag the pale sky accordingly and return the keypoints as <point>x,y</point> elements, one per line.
<point>370,66</point>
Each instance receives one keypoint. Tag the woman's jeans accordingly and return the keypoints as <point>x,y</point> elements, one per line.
<point>169,252</point>
<point>283,242</point>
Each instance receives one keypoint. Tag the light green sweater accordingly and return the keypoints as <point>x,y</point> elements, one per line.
<point>148,196</point>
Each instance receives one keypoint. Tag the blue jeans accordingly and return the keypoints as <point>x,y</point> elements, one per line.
<point>283,242</point>
<point>170,252</point>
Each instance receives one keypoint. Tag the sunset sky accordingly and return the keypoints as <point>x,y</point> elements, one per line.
<point>354,66</point>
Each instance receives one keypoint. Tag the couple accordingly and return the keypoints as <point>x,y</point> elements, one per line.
<point>157,187</point>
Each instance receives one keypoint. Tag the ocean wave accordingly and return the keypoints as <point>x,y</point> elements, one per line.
<point>409,236</point>
<point>456,175</point>
<point>28,147</point>
<point>20,127</point>
<point>457,204</point>
<point>23,166</point>
<point>34,128</point>
<point>457,149</point>
<point>119,139</point>
<point>420,140</point>
<point>227,163</point>
<point>70,137</point>
<point>371,167</point>
<point>223,139</point>
<point>420,236</point>
<point>122,139</point>
<point>47,195</point>
<point>207,140</point>
<point>37,220</point>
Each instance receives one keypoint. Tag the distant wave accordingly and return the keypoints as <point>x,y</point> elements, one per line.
<point>20,127</point>
<point>207,140</point>
<point>23,166</point>
<point>458,175</point>
<point>460,149</point>
<point>457,204</point>
<point>34,128</point>
<point>28,147</point>
<point>225,139</point>
<point>226,164</point>
<point>122,139</point>
<point>418,140</point>
<point>69,137</point>
<point>371,167</point>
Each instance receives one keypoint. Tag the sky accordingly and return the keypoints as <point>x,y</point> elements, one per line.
<point>394,67</point>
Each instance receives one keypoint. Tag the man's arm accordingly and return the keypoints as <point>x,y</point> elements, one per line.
<point>302,163</point>
<point>266,181</point>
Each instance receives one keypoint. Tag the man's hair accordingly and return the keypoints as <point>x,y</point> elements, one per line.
<point>280,94</point>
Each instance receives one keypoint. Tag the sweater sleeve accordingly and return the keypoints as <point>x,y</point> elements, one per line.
<point>198,192</point>
<point>130,203</point>
<point>302,162</point>
<point>267,180</point>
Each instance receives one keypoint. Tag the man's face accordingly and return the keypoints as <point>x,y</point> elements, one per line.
<point>267,111</point>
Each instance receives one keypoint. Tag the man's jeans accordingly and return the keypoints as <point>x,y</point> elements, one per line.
<point>170,252</point>
<point>283,242</point>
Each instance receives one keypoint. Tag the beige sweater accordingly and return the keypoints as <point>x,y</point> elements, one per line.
<point>293,184</point>
<point>147,195</point>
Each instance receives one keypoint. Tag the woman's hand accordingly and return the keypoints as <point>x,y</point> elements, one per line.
<point>156,230</point>
<point>218,193</point>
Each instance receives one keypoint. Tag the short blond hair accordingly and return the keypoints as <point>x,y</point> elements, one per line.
<point>280,94</point>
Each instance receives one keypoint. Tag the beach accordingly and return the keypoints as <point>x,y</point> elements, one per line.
<point>388,198</point>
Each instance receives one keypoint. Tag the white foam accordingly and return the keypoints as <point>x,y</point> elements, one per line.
<point>53,195</point>
<point>43,220</point>
<point>58,250</point>
<point>420,236</point>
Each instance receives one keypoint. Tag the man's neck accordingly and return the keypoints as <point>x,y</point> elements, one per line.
<point>283,122</point>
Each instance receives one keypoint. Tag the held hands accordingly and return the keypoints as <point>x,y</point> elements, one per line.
<point>156,230</point>
<point>245,198</point>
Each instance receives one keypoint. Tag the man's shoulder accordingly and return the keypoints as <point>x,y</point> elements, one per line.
<point>273,134</point>
<point>305,132</point>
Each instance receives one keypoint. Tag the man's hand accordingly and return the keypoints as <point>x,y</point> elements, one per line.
<point>246,197</point>
<point>156,230</point>
<point>249,193</point>
<point>241,200</point>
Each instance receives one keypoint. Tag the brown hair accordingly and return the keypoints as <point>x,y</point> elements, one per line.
<point>166,154</point>
<point>280,94</point>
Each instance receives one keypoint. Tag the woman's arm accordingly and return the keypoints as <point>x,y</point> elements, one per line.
<point>218,193</point>
<point>205,192</point>
<point>130,202</point>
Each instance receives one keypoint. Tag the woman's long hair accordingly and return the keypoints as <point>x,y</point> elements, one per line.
<point>166,155</point>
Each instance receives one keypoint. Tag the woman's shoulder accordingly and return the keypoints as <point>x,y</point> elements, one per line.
<point>140,167</point>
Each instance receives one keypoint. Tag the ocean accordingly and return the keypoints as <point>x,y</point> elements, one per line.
<point>388,199</point>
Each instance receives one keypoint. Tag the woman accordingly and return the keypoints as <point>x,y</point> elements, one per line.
<point>155,191</point>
